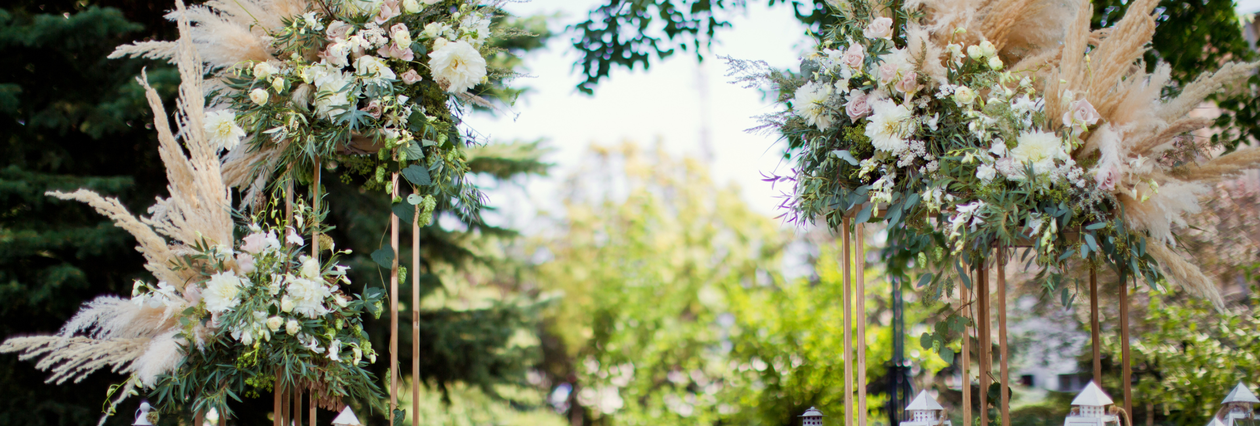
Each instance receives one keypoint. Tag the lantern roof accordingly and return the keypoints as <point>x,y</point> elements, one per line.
<point>346,418</point>
<point>1215,422</point>
<point>1092,396</point>
<point>923,401</point>
<point>812,412</point>
<point>1241,394</point>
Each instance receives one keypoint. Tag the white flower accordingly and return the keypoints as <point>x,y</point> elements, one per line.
<point>292,238</point>
<point>808,104</point>
<point>222,130</point>
<point>334,350</point>
<point>340,300</point>
<point>310,268</point>
<point>880,27</point>
<point>435,30</point>
<point>358,354</point>
<point>457,65</point>
<point>964,96</point>
<point>277,84</point>
<point>312,21</point>
<point>373,70</point>
<point>292,327</point>
<point>1040,149</point>
<point>887,128</point>
<point>995,63</point>
<point>223,291</point>
<point>307,297</point>
<point>259,96</point>
<point>986,173</point>
<point>974,52</point>
<point>411,6</point>
<point>264,70</point>
<point>274,323</point>
<point>988,49</point>
<point>336,53</point>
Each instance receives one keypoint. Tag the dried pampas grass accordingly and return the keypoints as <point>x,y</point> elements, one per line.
<point>224,33</point>
<point>141,337</point>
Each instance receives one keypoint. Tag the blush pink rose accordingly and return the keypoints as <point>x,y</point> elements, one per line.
<point>908,83</point>
<point>1081,113</point>
<point>389,9</point>
<point>879,28</point>
<point>1107,178</point>
<point>373,108</point>
<point>392,50</point>
<point>254,243</point>
<point>339,30</point>
<point>411,77</point>
<point>244,263</point>
<point>853,57</point>
<point>858,105</point>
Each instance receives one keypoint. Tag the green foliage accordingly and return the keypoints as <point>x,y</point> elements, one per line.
<point>674,311</point>
<point>1187,356</point>
<point>630,33</point>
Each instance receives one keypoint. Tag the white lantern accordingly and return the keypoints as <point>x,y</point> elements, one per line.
<point>346,418</point>
<point>812,417</point>
<point>1090,408</point>
<point>142,414</point>
<point>925,411</point>
<point>1238,405</point>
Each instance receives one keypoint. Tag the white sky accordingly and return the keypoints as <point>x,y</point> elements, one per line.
<point>663,103</point>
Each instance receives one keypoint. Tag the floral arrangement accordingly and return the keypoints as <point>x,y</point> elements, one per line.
<point>235,310</point>
<point>370,87</point>
<point>969,125</point>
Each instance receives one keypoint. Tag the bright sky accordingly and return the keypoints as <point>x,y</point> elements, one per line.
<point>663,103</point>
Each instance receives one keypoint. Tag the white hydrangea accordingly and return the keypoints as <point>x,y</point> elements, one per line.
<point>307,296</point>
<point>456,65</point>
<point>809,104</point>
<point>475,28</point>
<point>222,130</point>
<point>223,291</point>
<point>888,126</point>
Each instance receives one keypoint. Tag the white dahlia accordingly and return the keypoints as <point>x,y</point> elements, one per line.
<point>889,126</point>
<point>809,101</point>
<point>223,291</point>
<point>222,130</point>
<point>1039,148</point>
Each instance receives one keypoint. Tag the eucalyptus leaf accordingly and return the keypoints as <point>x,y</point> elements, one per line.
<point>924,280</point>
<point>414,199</point>
<point>1096,226</point>
<point>863,215</point>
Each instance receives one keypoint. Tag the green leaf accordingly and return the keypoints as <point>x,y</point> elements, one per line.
<point>947,354</point>
<point>414,199</point>
<point>1089,239</point>
<point>863,215</point>
<point>417,175</point>
<point>961,273</point>
<point>406,212</point>
<point>384,257</point>
<point>924,280</point>
<point>413,150</point>
<point>1096,226</point>
<point>925,340</point>
<point>1063,296</point>
<point>845,155</point>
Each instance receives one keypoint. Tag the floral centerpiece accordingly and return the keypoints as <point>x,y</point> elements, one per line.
<point>974,125</point>
<point>366,87</point>
<point>236,310</point>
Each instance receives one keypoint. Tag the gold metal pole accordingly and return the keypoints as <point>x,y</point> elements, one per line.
<point>1006,378</point>
<point>415,318</point>
<point>965,297</point>
<point>311,421</point>
<point>393,308</point>
<point>982,314</point>
<point>848,326</point>
<point>1125,379</point>
<point>277,410</point>
<point>1093,324</point>
<point>860,261</point>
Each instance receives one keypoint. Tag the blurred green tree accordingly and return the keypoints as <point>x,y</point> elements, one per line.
<point>675,310</point>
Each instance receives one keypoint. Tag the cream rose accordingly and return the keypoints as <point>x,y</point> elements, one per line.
<point>964,96</point>
<point>259,96</point>
<point>880,27</point>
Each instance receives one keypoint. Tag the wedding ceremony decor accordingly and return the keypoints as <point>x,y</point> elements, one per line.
<point>294,88</point>
<point>976,128</point>
<point>228,316</point>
